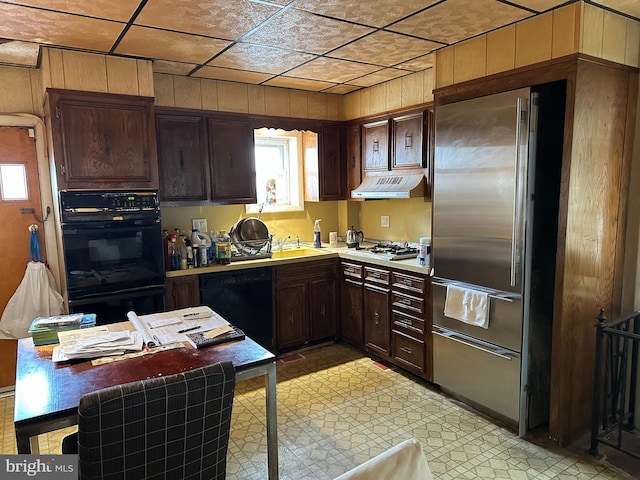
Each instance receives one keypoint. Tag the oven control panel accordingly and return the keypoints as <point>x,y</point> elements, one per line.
<point>102,201</point>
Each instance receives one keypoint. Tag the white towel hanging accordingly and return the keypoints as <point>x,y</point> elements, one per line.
<point>467,305</point>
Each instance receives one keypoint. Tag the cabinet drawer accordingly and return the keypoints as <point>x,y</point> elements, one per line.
<point>408,282</point>
<point>376,275</point>
<point>351,270</point>
<point>407,303</point>
<point>412,325</point>
<point>408,350</point>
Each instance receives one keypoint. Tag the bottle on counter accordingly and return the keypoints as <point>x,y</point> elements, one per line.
<point>174,256</point>
<point>189,254</point>
<point>182,250</point>
<point>165,248</point>
<point>223,248</point>
<point>424,252</point>
<point>317,243</point>
<point>195,247</point>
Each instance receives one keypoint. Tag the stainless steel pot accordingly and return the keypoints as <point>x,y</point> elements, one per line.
<point>249,235</point>
<point>354,237</point>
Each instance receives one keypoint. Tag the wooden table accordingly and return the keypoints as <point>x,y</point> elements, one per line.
<point>47,395</point>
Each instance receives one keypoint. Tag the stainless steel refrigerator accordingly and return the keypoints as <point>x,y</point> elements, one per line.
<point>483,192</point>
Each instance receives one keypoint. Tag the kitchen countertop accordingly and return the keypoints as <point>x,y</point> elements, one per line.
<point>341,251</point>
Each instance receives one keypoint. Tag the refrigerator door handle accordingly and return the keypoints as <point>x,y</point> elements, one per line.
<point>521,120</point>
<point>498,352</point>
<point>498,296</point>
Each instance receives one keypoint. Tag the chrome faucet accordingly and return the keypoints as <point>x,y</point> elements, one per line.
<point>297,241</point>
<point>282,242</point>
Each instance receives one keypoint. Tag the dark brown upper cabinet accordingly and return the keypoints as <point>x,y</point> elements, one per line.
<point>324,166</point>
<point>232,160</point>
<point>375,146</point>
<point>182,158</point>
<point>354,159</point>
<point>408,146</point>
<point>102,141</point>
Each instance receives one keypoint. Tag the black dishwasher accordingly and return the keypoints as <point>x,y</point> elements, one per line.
<point>244,298</point>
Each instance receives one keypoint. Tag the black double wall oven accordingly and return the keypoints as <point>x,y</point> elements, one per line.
<point>112,243</point>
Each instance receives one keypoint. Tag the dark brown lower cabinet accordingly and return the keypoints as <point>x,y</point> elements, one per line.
<point>305,303</point>
<point>182,292</point>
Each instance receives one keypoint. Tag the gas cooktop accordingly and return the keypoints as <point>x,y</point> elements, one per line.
<point>391,250</point>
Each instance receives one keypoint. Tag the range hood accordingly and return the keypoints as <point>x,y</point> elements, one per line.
<point>390,186</point>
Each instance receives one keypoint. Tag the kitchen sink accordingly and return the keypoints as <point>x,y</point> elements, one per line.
<point>297,252</point>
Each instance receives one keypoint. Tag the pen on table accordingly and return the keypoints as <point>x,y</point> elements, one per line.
<point>158,342</point>
<point>189,329</point>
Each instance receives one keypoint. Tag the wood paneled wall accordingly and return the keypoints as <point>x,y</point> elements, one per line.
<point>404,92</point>
<point>71,70</point>
<point>21,90</point>
<point>206,94</point>
<point>574,28</point>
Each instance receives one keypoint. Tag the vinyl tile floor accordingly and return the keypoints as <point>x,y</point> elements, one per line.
<point>337,408</point>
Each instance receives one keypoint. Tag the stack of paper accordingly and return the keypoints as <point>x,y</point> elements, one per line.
<point>44,330</point>
<point>95,342</point>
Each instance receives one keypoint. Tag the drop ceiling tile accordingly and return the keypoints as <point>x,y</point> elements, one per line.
<point>630,7</point>
<point>161,44</point>
<point>384,48</point>
<point>19,53</point>
<point>540,5</point>
<point>120,10</point>
<point>306,32</point>
<point>213,18</point>
<point>331,70</point>
<point>341,89</point>
<point>419,63</point>
<point>455,20</point>
<point>378,77</point>
<point>258,58</point>
<point>298,83</point>
<point>232,75</point>
<point>173,68</point>
<point>378,14</point>
<point>54,28</point>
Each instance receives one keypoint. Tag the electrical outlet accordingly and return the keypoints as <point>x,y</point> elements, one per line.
<point>200,224</point>
<point>384,221</point>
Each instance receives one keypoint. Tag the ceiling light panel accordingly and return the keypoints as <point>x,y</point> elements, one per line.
<point>259,58</point>
<point>154,43</point>
<point>119,10</point>
<point>54,28</point>
<point>214,18</point>
<point>305,32</point>
<point>378,14</point>
<point>232,75</point>
<point>384,48</point>
<point>455,20</point>
<point>331,70</point>
<point>298,83</point>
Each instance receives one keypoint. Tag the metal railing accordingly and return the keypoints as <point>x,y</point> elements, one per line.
<point>615,383</point>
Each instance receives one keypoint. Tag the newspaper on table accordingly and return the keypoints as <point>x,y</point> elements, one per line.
<point>171,327</point>
<point>95,342</point>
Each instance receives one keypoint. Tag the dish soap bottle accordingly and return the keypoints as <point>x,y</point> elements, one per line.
<point>316,234</point>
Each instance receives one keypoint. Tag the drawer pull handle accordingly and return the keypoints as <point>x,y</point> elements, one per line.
<point>322,310</point>
<point>407,282</point>
<point>407,350</point>
<point>406,301</point>
<point>406,322</point>
<point>376,318</point>
<point>291,319</point>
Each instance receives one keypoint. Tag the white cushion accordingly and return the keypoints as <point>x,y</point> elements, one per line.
<point>405,461</point>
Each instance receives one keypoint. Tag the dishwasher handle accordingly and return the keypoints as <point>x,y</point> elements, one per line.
<point>456,337</point>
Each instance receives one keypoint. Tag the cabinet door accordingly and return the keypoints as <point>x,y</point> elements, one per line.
<point>232,160</point>
<point>351,320</point>
<point>376,146</point>
<point>291,314</point>
<point>408,141</point>
<point>102,140</point>
<point>182,292</point>
<point>322,309</point>
<point>331,165</point>
<point>182,158</point>
<point>376,319</point>
<point>354,161</point>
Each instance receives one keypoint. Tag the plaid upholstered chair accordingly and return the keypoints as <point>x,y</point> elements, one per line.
<point>173,427</point>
